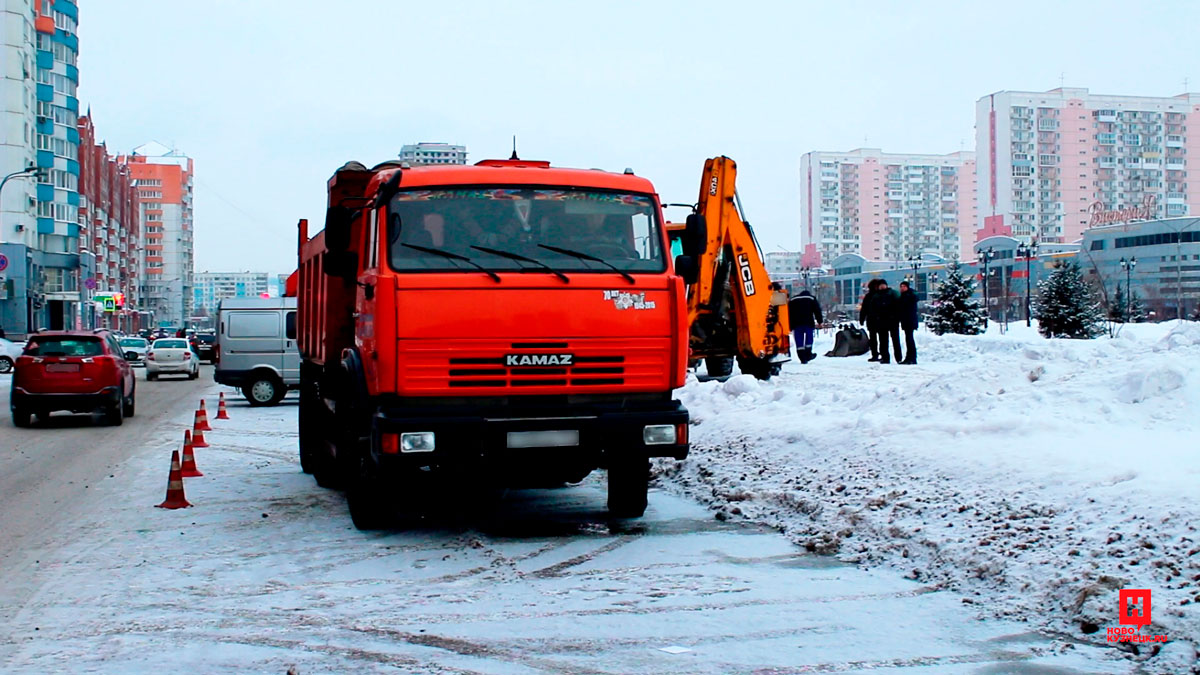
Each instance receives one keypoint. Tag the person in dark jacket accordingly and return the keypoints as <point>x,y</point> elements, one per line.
<point>908,322</point>
<point>883,316</point>
<point>864,317</point>
<point>804,313</point>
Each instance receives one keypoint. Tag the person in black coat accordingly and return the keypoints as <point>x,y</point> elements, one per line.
<point>883,316</point>
<point>804,313</point>
<point>908,322</point>
<point>864,317</point>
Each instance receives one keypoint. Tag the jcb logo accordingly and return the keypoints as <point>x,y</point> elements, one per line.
<point>746,273</point>
<point>538,359</point>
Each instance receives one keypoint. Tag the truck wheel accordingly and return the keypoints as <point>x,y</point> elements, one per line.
<point>311,441</point>
<point>628,483</point>
<point>264,389</point>
<point>719,366</point>
<point>369,507</point>
<point>21,417</point>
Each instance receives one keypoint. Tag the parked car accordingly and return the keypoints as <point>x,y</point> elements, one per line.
<point>205,345</point>
<point>9,351</point>
<point>171,356</point>
<point>77,371</point>
<point>256,348</point>
<point>135,349</point>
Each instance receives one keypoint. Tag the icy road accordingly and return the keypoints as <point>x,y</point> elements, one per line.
<point>267,573</point>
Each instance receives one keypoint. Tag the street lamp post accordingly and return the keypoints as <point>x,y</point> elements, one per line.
<point>1027,251</point>
<point>27,171</point>
<point>985,256</point>
<point>1128,266</point>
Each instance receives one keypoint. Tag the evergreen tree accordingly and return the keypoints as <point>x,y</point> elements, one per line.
<point>953,309</point>
<point>1066,306</point>
<point>1126,311</point>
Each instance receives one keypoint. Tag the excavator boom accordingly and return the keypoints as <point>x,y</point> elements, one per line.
<point>733,309</point>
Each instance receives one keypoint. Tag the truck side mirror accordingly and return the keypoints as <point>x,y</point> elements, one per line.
<point>686,267</point>
<point>337,228</point>
<point>695,237</point>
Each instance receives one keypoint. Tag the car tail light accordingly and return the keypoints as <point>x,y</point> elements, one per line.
<point>187,355</point>
<point>150,356</point>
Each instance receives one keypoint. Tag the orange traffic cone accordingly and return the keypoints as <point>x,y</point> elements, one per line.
<point>175,498</point>
<point>200,422</point>
<point>189,468</point>
<point>221,413</point>
<point>198,439</point>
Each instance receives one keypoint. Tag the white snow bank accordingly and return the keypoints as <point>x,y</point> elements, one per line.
<point>1037,477</point>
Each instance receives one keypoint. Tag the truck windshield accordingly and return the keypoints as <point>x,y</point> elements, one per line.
<point>619,230</point>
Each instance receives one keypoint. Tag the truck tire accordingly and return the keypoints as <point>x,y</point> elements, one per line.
<point>366,496</point>
<point>264,389</point>
<point>719,366</point>
<point>628,484</point>
<point>311,441</point>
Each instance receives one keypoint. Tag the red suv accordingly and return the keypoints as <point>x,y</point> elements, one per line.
<point>73,370</point>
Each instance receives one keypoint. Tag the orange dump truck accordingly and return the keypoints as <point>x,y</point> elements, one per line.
<point>509,320</point>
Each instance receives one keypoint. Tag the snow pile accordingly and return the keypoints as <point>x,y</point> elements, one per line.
<point>1036,477</point>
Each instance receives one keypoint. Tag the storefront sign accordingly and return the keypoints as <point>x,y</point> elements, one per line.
<point>1144,211</point>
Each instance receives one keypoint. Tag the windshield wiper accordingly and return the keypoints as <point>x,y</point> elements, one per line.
<point>517,256</point>
<point>584,256</point>
<point>453,256</point>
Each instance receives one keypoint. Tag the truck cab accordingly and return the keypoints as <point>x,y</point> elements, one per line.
<point>510,320</point>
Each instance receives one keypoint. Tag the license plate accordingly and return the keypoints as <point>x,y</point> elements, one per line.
<point>543,439</point>
<point>62,367</point>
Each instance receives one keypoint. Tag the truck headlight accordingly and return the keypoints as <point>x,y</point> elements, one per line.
<point>417,441</point>
<point>659,434</point>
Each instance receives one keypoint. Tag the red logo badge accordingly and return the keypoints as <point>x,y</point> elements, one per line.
<point>1135,607</point>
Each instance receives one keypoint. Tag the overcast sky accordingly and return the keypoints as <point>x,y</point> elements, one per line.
<point>270,96</point>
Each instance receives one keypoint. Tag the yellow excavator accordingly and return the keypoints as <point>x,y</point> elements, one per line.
<point>734,311</point>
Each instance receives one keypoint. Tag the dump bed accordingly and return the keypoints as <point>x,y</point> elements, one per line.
<point>323,324</point>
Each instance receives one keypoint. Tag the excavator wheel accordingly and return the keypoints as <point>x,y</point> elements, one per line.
<point>759,368</point>
<point>719,366</point>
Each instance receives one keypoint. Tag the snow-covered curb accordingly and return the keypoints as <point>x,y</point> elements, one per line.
<point>1036,477</point>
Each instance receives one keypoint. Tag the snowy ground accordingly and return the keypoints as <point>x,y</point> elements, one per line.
<point>1032,477</point>
<point>266,573</point>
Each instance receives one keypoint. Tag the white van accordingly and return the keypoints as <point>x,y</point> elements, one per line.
<point>256,348</point>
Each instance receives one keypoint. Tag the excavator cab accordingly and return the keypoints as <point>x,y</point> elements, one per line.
<point>734,311</point>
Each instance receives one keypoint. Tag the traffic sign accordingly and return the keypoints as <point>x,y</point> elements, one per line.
<point>3,262</point>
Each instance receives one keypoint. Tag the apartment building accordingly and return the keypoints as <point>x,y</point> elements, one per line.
<point>212,287</point>
<point>164,182</point>
<point>39,154</point>
<point>109,232</point>
<point>1051,164</point>
<point>423,154</point>
<point>885,206</point>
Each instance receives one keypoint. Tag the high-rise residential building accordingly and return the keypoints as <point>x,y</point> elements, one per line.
<point>213,287</point>
<point>110,233</point>
<point>39,228</point>
<point>1053,163</point>
<point>885,206</point>
<point>423,154</point>
<point>164,181</point>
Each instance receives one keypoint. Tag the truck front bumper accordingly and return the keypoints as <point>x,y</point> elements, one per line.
<point>595,435</point>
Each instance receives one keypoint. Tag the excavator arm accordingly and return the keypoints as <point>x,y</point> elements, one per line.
<point>733,311</point>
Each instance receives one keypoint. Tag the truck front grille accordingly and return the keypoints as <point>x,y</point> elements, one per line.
<point>596,365</point>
